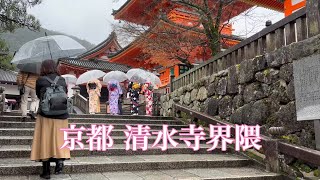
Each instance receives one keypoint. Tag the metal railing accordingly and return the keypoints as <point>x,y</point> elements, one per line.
<point>283,33</point>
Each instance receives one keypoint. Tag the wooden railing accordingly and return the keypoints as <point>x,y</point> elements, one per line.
<point>285,32</point>
<point>81,102</point>
<point>271,148</point>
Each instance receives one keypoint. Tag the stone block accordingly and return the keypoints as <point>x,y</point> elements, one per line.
<point>225,106</point>
<point>260,63</point>
<point>286,72</point>
<point>187,98</point>
<point>222,86</point>
<point>246,71</point>
<point>267,76</point>
<point>232,80</point>
<point>213,104</point>
<point>255,91</point>
<point>202,94</point>
<point>237,102</point>
<point>194,94</point>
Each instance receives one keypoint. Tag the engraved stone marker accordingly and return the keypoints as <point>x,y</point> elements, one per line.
<point>306,74</point>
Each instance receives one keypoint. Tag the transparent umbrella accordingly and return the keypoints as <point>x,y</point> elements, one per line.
<point>155,80</point>
<point>70,79</point>
<point>137,75</point>
<point>29,57</point>
<point>89,76</point>
<point>71,82</point>
<point>115,75</point>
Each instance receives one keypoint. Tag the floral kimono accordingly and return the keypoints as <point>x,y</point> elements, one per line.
<point>147,90</point>
<point>94,89</point>
<point>114,94</point>
<point>134,89</point>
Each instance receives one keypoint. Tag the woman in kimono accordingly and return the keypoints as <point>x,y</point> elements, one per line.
<point>115,91</point>
<point>134,89</point>
<point>94,89</point>
<point>147,91</point>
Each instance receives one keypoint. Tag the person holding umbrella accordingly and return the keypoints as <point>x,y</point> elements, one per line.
<point>27,85</point>
<point>48,138</point>
<point>134,90</point>
<point>94,90</point>
<point>114,93</point>
<point>147,90</point>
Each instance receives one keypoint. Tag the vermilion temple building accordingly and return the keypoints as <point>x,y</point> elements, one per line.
<point>109,55</point>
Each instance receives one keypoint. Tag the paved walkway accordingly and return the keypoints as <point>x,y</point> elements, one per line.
<point>180,174</point>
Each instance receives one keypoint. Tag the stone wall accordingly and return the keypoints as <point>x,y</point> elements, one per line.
<point>257,91</point>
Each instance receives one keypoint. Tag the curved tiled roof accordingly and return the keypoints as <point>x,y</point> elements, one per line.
<point>104,43</point>
<point>95,64</point>
<point>7,76</point>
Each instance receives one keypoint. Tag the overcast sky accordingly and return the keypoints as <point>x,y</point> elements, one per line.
<point>91,19</point>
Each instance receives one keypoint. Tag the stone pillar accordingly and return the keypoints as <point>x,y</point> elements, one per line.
<point>313,16</point>
<point>271,152</point>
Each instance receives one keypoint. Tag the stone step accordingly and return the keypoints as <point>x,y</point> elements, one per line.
<point>23,151</point>
<point>27,140</point>
<point>243,173</point>
<point>16,124</point>
<point>100,120</point>
<point>99,116</point>
<point>30,131</point>
<point>118,116</point>
<point>18,166</point>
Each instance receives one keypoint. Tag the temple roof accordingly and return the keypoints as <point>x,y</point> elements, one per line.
<point>112,39</point>
<point>95,64</point>
<point>7,76</point>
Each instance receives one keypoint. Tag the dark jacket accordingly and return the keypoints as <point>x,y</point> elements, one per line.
<point>41,85</point>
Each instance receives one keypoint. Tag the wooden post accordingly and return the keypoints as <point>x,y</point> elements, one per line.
<point>301,25</point>
<point>317,134</point>
<point>313,16</point>
<point>171,82</point>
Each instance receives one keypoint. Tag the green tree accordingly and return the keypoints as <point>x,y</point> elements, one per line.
<point>5,57</point>
<point>13,15</point>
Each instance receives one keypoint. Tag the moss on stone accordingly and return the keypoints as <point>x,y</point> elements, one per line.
<point>238,67</point>
<point>316,173</point>
<point>291,139</point>
<point>254,156</point>
<point>266,72</point>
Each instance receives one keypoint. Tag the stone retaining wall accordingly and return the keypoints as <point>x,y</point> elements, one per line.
<point>257,91</point>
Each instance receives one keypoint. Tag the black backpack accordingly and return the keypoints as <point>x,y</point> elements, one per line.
<point>55,100</point>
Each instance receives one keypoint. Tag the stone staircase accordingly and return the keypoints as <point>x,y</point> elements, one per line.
<point>117,163</point>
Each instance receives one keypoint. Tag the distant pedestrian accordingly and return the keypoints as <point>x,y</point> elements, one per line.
<point>123,86</point>
<point>94,91</point>
<point>114,93</point>
<point>48,138</point>
<point>27,85</point>
<point>147,90</point>
<point>134,89</point>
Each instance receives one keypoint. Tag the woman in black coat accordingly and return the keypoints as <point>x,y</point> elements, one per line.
<point>48,138</point>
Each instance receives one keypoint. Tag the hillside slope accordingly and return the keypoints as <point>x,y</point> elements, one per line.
<point>20,36</point>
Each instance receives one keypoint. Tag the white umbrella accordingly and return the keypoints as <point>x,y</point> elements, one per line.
<point>89,76</point>
<point>30,56</point>
<point>155,80</point>
<point>71,82</point>
<point>70,78</point>
<point>137,75</point>
<point>115,75</point>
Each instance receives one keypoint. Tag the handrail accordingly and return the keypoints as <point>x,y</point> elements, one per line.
<point>283,33</point>
<point>82,103</point>
<point>299,152</point>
